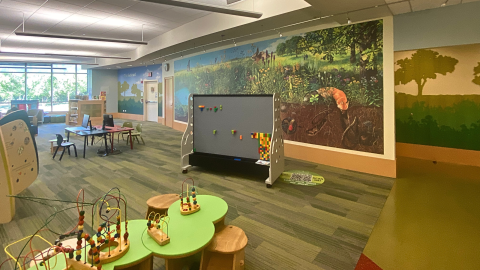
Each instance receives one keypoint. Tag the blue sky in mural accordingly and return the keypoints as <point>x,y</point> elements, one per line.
<point>243,51</point>
<point>136,75</point>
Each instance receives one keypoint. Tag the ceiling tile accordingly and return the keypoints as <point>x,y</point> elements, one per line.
<point>400,8</point>
<point>326,8</point>
<point>14,5</point>
<point>58,14</point>
<point>80,3</point>
<point>41,22</point>
<point>94,13</point>
<point>143,18</point>
<point>120,3</point>
<point>105,7</point>
<point>150,8</point>
<point>33,2</point>
<point>418,5</point>
<point>62,6</point>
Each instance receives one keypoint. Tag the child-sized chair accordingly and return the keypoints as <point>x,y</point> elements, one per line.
<point>125,124</point>
<point>65,145</point>
<point>137,133</point>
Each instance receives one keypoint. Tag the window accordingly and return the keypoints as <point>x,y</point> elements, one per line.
<point>12,86</point>
<point>51,84</point>
<point>39,87</point>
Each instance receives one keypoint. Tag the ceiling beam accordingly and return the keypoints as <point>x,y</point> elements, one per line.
<point>69,55</point>
<point>30,34</point>
<point>206,7</point>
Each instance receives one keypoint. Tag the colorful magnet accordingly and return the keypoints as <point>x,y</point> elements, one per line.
<point>241,137</point>
<point>214,131</point>
<point>201,107</point>
<point>233,131</point>
<point>221,107</point>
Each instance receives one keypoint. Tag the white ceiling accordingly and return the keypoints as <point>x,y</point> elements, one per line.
<point>118,19</point>
<point>123,19</point>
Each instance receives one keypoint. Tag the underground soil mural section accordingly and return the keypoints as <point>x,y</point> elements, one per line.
<point>130,88</point>
<point>437,99</point>
<point>330,82</point>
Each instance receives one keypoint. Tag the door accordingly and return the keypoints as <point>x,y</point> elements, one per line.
<point>169,98</point>
<point>150,92</point>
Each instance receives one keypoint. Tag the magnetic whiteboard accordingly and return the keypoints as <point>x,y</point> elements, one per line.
<point>243,113</point>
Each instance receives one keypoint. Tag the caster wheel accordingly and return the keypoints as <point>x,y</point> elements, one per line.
<point>269,186</point>
<point>184,171</point>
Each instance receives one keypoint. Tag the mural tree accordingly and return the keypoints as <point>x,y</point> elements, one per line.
<point>122,88</point>
<point>137,92</point>
<point>423,65</point>
<point>476,74</point>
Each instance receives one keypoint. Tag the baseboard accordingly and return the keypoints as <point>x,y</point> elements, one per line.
<point>439,154</point>
<point>179,126</point>
<point>161,120</point>
<point>370,165</point>
<point>136,117</point>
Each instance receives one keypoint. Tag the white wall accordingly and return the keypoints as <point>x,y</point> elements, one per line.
<point>452,25</point>
<point>106,80</point>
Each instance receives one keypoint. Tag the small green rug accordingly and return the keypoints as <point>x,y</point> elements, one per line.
<point>303,178</point>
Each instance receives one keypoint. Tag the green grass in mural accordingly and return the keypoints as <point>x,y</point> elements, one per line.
<point>294,78</point>
<point>130,105</point>
<point>445,120</point>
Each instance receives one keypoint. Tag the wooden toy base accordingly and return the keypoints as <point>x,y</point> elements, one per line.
<point>73,264</point>
<point>115,253</point>
<point>188,212</point>
<point>158,235</point>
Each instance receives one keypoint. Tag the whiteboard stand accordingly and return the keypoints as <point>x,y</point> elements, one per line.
<point>277,159</point>
<point>187,138</point>
<point>230,118</point>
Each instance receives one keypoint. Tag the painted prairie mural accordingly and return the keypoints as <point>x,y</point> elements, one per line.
<point>437,95</point>
<point>330,82</point>
<point>130,88</point>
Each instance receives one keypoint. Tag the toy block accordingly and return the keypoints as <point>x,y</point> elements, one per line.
<point>241,137</point>
<point>214,131</point>
<point>233,132</point>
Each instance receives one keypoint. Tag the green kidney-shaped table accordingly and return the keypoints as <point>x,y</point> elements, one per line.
<point>189,235</point>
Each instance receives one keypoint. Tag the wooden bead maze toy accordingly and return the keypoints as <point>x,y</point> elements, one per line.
<point>107,207</point>
<point>188,207</point>
<point>155,227</point>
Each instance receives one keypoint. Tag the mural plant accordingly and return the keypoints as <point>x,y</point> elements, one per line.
<point>303,69</point>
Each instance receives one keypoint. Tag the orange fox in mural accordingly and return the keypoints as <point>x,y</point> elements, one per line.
<point>337,94</point>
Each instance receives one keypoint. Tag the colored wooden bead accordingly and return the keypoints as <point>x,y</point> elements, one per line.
<point>83,235</point>
<point>80,227</point>
<point>70,255</point>
<point>78,252</point>
<point>125,236</point>
<point>82,213</point>
<point>79,242</point>
<point>118,217</point>
<point>87,236</point>
<point>99,229</point>
<point>78,257</point>
<point>81,217</point>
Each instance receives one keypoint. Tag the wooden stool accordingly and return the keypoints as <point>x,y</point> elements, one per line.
<point>160,204</point>
<point>54,147</point>
<point>227,250</point>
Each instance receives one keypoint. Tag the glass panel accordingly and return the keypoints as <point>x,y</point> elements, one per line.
<point>39,68</point>
<point>64,69</point>
<point>82,84</point>
<point>39,87</point>
<point>81,70</point>
<point>63,89</point>
<point>12,86</point>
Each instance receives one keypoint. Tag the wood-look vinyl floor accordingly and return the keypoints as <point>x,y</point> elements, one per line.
<point>288,226</point>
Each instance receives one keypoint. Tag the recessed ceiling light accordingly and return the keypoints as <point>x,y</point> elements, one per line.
<point>129,65</point>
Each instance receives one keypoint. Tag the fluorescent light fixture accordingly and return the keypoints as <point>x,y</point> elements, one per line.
<point>40,62</point>
<point>68,55</point>
<point>30,34</point>
<point>206,7</point>
<point>129,65</point>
